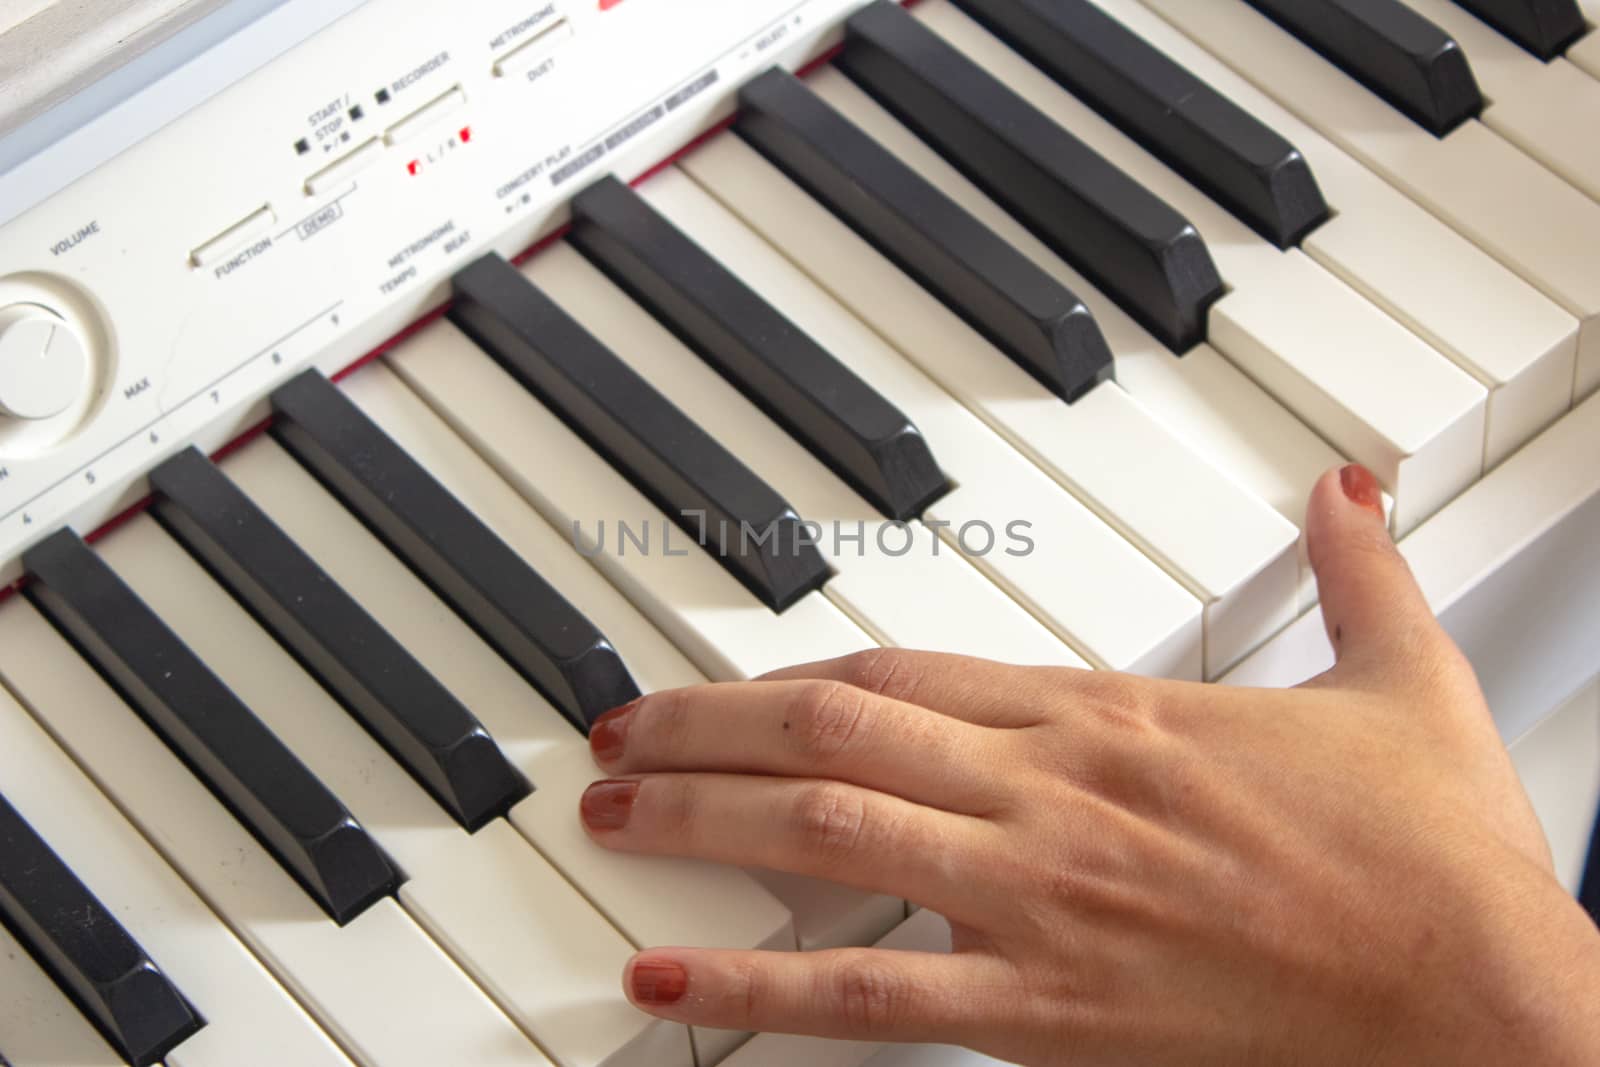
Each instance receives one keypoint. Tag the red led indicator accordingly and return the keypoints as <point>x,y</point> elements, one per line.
<point>466,134</point>
<point>413,167</point>
<point>607,5</point>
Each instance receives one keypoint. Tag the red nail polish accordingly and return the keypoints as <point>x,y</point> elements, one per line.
<point>1362,488</point>
<point>659,982</point>
<point>607,805</point>
<point>610,731</point>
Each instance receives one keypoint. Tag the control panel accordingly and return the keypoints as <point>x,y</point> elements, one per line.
<point>319,205</point>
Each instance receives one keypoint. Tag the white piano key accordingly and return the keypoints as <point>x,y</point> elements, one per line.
<point>1225,545</point>
<point>923,932</point>
<point>1542,108</point>
<point>887,594</point>
<point>250,1020</point>
<point>1586,53</point>
<point>1080,567</point>
<point>682,590</point>
<point>528,730</point>
<point>1360,378</point>
<point>510,919</point>
<point>542,952</point>
<point>828,915</point>
<point>380,986</point>
<point>1496,195</point>
<point>1201,397</point>
<point>1516,342</point>
<point>39,1025</point>
<point>651,900</point>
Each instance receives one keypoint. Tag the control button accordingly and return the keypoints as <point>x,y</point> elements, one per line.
<point>43,362</point>
<point>257,224</point>
<point>344,168</point>
<point>532,52</point>
<point>426,116</point>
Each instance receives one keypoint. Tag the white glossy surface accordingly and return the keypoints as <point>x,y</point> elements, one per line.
<point>1586,53</point>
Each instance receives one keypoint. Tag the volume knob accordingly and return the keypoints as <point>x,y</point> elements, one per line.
<point>44,365</point>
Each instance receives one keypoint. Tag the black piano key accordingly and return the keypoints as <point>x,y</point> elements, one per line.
<point>1236,159</point>
<point>1543,27</point>
<point>1589,886</point>
<point>1392,50</point>
<point>1004,295</point>
<point>735,515</point>
<point>244,764</point>
<point>86,950</point>
<point>1127,241</point>
<point>517,612</point>
<point>820,401</point>
<point>440,742</point>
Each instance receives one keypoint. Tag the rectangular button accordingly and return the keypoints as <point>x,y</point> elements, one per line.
<point>344,168</point>
<point>255,225</point>
<point>426,116</point>
<point>531,53</point>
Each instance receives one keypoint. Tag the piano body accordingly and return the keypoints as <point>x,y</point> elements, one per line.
<point>388,388</point>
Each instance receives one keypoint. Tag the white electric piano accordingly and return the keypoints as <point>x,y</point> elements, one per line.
<point>387,388</point>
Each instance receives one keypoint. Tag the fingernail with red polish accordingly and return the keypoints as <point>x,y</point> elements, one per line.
<point>659,982</point>
<point>1362,488</point>
<point>607,805</point>
<point>610,732</point>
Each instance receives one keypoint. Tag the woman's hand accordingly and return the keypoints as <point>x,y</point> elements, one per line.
<point>1135,871</point>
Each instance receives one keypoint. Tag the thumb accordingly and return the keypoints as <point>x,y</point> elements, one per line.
<point>1381,627</point>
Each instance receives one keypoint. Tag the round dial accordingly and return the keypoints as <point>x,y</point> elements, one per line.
<point>44,364</point>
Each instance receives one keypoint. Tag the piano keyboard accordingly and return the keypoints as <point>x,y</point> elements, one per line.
<point>1014,328</point>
